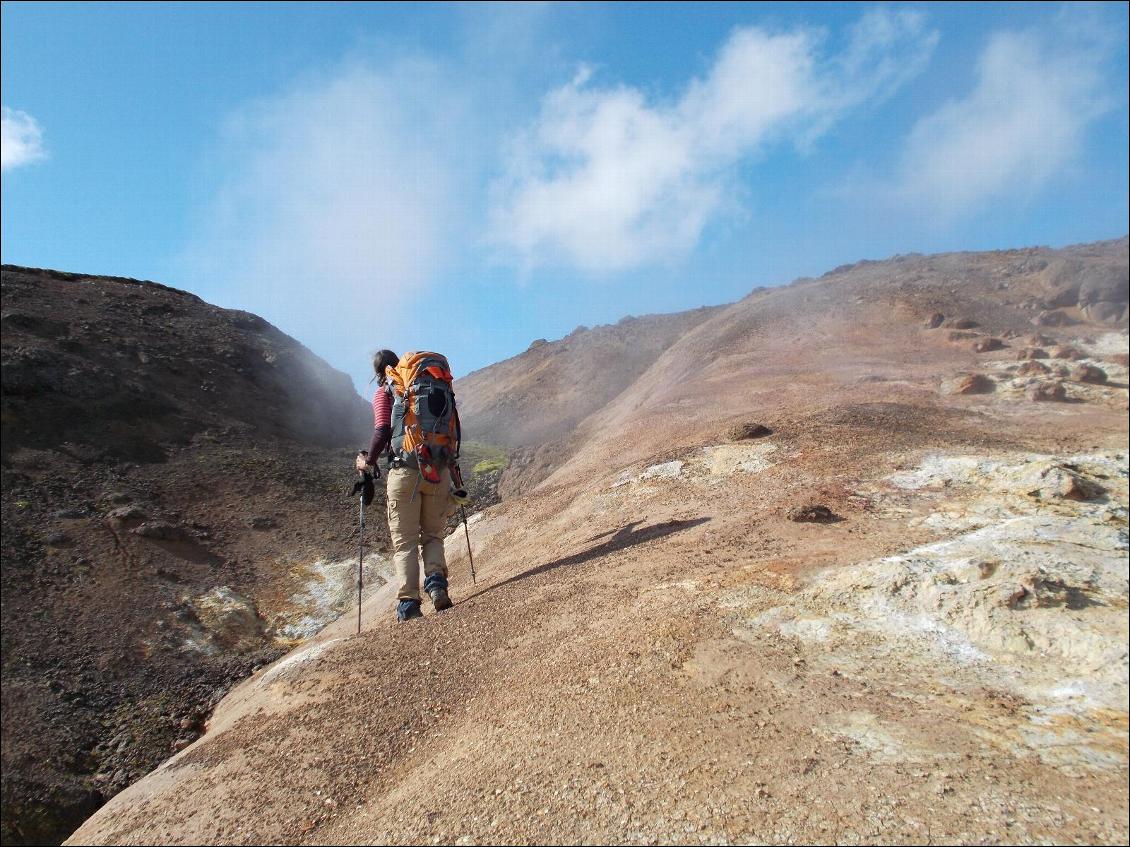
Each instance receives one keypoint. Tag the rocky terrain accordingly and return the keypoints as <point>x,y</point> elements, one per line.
<point>174,516</point>
<point>846,562</point>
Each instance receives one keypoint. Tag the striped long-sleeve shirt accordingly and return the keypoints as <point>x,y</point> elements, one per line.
<point>382,422</point>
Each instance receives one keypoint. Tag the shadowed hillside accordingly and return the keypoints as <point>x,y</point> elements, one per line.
<point>170,476</point>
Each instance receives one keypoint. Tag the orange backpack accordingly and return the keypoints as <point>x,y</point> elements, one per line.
<point>425,422</point>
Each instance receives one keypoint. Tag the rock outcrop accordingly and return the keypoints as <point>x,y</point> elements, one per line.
<point>1098,289</point>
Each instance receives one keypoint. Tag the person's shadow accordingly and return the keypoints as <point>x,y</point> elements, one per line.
<point>617,539</point>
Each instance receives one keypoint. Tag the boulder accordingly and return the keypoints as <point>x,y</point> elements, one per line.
<point>987,345</point>
<point>1033,368</point>
<point>1088,373</point>
<point>1098,289</point>
<point>1059,482</point>
<point>1065,296</point>
<point>1038,340</point>
<point>1046,391</point>
<point>969,384</point>
<point>1033,353</point>
<point>747,430</point>
<point>813,513</point>
<point>1041,591</point>
<point>162,531</point>
<point>963,323</point>
<point>1066,351</point>
<point>1103,290</point>
<point>935,320</point>
<point>961,335</point>
<point>1061,281</point>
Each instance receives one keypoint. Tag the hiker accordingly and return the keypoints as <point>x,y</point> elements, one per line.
<point>415,421</point>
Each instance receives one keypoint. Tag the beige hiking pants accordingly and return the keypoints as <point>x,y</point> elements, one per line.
<point>417,517</point>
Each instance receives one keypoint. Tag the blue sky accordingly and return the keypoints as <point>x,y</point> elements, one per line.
<point>469,178</point>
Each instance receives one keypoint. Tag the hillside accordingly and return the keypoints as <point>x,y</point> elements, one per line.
<point>546,391</point>
<point>166,466</point>
<point>847,561</point>
<point>856,332</point>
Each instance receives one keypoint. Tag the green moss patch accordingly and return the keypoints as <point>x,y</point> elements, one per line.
<point>480,458</point>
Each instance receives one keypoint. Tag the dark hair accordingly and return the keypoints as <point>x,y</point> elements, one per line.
<point>381,360</point>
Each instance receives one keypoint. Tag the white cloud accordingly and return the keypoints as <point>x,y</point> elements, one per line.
<point>1020,127</point>
<point>336,206</point>
<point>886,49</point>
<point>606,180</point>
<point>21,139</point>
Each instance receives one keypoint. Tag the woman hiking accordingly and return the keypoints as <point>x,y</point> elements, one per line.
<point>414,430</point>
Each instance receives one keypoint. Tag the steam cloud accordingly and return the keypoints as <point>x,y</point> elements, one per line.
<point>336,206</point>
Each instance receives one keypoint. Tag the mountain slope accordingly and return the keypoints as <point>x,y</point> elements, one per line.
<point>172,474</point>
<point>544,392</point>
<point>916,584</point>
<point>855,334</point>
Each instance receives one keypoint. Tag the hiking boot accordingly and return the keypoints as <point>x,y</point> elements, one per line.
<point>436,586</point>
<point>407,610</point>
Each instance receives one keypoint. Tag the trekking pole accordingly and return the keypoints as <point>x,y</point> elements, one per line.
<point>467,533</point>
<point>360,556</point>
